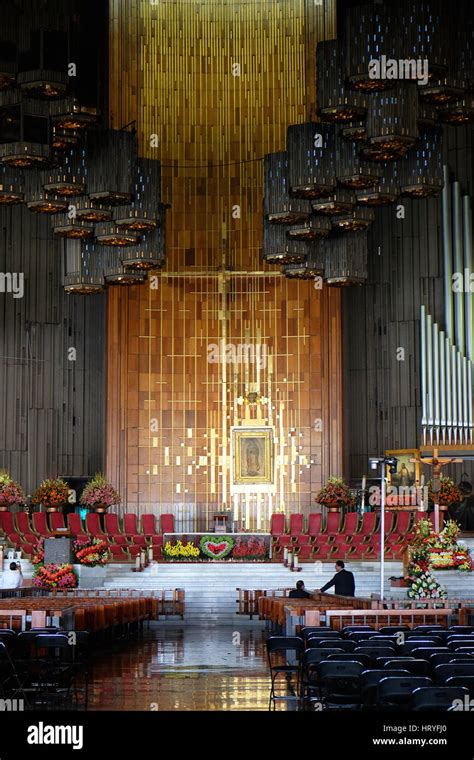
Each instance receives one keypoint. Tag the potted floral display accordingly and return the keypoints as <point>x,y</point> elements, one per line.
<point>10,492</point>
<point>448,493</point>
<point>52,494</point>
<point>99,494</point>
<point>55,577</point>
<point>335,494</point>
<point>92,552</point>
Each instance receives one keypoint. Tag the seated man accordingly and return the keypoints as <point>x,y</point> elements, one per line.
<point>343,581</point>
<point>299,592</point>
<point>13,577</point>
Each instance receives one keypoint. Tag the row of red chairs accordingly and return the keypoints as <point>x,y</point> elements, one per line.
<point>343,537</point>
<point>124,537</point>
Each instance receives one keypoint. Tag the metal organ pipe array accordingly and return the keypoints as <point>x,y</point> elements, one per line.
<point>447,354</point>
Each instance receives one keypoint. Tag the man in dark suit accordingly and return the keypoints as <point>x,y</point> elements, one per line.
<point>343,581</point>
<point>299,592</point>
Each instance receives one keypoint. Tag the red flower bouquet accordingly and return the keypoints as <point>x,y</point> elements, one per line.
<point>448,493</point>
<point>51,493</point>
<point>10,492</point>
<point>248,549</point>
<point>92,552</point>
<point>55,576</point>
<point>336,492</point>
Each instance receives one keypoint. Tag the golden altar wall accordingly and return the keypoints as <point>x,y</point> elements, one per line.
<point>212,87</point>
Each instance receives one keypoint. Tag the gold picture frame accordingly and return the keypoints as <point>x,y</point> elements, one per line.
<point>253,456</point>
<point>404,464</point>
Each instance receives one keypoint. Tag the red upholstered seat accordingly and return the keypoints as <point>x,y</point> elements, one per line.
<point>333,523</point>
<point>23,526</point>
<point>28,548</point>
<point>305,552</point>
<point>57,521</point>
<point>93,525</point>
<point>119,552</point>
<point>40,523</point>
<point>296,524</point>
<point>403,522</point>
<point>130,523</point>
<point>277,525</point>
<point>351,523</point>
<point>112,526</point>
<point>314,523</point>
<point>167,523</point>
<point>369,521</point>
<point>6,522</point>
<point>148,525</point>
<point>389,522</point>
<point>75,525</point>
<point>134,550</point>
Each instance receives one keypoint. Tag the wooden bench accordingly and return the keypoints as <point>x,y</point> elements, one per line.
<point>338,619</point>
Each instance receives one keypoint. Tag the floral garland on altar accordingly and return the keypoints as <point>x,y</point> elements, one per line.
<point>92,552</point>
<point>55,576</point>
<point>435,551</point>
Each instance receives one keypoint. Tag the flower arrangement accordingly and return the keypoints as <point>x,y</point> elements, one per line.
<point>38,557</point>
<point>251,548</point>
<point>99,491</point>
<point>216,547</point>
<point>52,492</point>
<point>92,552</point>
<point>336,491</point>
<point>433,551</point>
<point>448,493</point>
<point>55,576</point>
<point>180,550</point>
<point>10,491</point>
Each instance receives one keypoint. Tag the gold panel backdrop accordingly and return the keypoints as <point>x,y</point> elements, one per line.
<point>212,87</point>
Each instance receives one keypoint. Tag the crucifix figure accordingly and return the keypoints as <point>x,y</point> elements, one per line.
<point>437,463</point>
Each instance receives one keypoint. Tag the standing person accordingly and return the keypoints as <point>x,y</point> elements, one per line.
<point>343,581</point>
<point>13,577</point>
<point>298,592</point>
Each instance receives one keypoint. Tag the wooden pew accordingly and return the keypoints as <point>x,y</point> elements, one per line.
<point>337,619</point>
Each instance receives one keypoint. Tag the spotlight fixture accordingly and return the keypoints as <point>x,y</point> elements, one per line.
<point>279,207</point>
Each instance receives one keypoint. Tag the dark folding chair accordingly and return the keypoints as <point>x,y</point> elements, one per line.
<point>55,679</point>
<point>429,628</point>
<point>315,644</point>
<point>323,635</point>
<point>309,675</point>
<point>344,644</point>
<point>436,697</point>
<point>393,691</point>
<point>340,682</point>
<point>413,644</point>
<point>8,637</point>
<point>415,667</point>
<point>307,630</point>
<point>391,629</point>
<point>375,652</point>
<point>355,628</point>
<point>370,680</point>
<point>350,657</point>
<point>285,654</point>
<point>446,657</point>
<point>465,681</point>
<point>362,636</point>
<point>441,673</point>
<point>461,629</point>
<point>467,651</point>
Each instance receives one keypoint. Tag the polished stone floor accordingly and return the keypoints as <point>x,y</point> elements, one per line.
<point>187,668</point>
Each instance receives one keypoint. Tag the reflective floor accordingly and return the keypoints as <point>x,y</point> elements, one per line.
<point>188,668</point>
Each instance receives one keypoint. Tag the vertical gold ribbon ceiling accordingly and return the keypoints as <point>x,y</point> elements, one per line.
<point>212,87</point>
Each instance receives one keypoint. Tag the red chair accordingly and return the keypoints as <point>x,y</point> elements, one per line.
<point>314,524</point>
<point>351,524</point>
<point>403,523</point>
<point>112,529</point>
<point>119,553</point>
<point>149,532</point>
<point>57,521</point>
<point>130,525</point>
<point>93,525</point>
<point>167,523</point>
<point>40,524</point>
<point>6,523</point>
<point>296,530</point>
<point>75,525</point>
<point>305,552</point>
<point>24,527</point>
<point>277,529</point>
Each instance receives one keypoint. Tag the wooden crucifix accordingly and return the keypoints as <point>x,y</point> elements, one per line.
<point>437,463</point>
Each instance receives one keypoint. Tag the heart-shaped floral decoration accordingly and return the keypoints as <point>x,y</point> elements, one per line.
<point>216,548</point>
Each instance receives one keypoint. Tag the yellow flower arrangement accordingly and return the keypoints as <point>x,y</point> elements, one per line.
<point>180,550</point>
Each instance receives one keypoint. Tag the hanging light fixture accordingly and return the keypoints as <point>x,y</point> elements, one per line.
<point>111,161</point>
<point>421,171</point>
<point>352,171</point>
<point>460,112</point>
<point>86,211</point>
<point>11,186</point>
<point>278,248</point>
<point>369,32</point>
<point>143,214</point>
<point>427,117</point>
<point>279,207</point>
<point>150,252</point>
<point>38,200</point>
<point>8,46</point>
<point>385,192</point>
<point>108,234</point>
<point>117,274</point>
<point>69,115</point>
<point>392,122</point>
<point>313,229</point>
<point>62,139</point>
<point>68,179</point>
<point>346,260</point>
<point>356,220</point>
<point>43,62</point>
<point>336,102</point>
<point>71,227</point>
<point>310,148</point>
<point>24,132</point>
<point>82,268</point>
<point>354,132</point>
<point>341,201</point>
<point>311,267</point>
